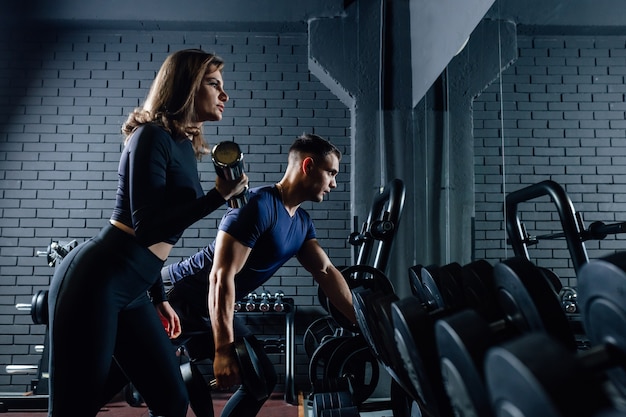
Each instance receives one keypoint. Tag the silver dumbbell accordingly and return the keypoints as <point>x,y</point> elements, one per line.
<point>569,299</point>
<point>278,301</point>
<point>251,303</point>
<point>264,305</point>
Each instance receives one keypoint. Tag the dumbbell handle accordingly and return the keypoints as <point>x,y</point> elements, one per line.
<point>23,306</point>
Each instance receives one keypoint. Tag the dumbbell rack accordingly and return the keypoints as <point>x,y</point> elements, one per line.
<point>288,312</point>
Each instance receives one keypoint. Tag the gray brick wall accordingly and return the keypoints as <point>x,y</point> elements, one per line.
<point>563,119</point>
<point>63,104</point>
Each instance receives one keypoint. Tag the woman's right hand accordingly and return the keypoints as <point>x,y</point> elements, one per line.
<point>231,188</point>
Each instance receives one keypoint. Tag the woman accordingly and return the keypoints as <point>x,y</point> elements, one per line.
<point>101,317</point>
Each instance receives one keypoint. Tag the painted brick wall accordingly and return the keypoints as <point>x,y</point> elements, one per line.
<point>562,119</point>
<point>62,108</point>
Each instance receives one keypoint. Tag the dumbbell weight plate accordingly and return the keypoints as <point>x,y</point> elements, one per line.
<point>462,340</point>
<point>415,339</point>
<point>319,359</point>
<point>382,323</point>
<point>354,359</point>
<point>442,286</point>
<point>528,300</point>
<point>414,280</point>
<point>39,307</point>
<point>536,375</point>
<point>357,276</point>
<point>602,301</point>
<point>362,299</point>
<point>425,287</point>
<point>252,375</point>
<point>479,289</point>
<point>318,330</point>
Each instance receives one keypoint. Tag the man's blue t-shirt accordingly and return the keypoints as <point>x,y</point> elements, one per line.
<point>264,225</point>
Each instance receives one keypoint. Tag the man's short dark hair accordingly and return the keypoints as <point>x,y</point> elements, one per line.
<point>314,145</point>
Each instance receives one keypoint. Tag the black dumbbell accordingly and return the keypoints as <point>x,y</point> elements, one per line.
<point>252,377</point>
<point>530,305</point>
<point>413,319</point>
<point>527,303</point>
<point>536,375</point>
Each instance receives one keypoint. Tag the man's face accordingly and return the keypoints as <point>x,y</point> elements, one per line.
<point>323,175</point>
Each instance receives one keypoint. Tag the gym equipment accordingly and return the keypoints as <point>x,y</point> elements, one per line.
<point>281,306</point>
<point>378,231</point>
<point>332,400</point>
<point>427,338</point>
<point>374,317</point>
<point>602,301</point>
<point>535,375</point>
<point>454,286</point>
<point>319,331</point>
<point>573,231</point>
<point>199,388</point>
<point>37,397</point>
<point>381,226</point>
<point>344,362</point>
<point>538,373</point>
<point>228,161</point>
<point>345,356</point>
<point>252,376</point>
<point>363,276</point>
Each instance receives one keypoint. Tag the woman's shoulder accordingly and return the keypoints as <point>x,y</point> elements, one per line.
<point>150,134</point>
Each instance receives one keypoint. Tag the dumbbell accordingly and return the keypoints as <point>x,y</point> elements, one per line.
<point>413,320</point>
<point>530,305</point>
<point>252,377</point>
<point>536,375</point>
<point>602,304</point>
<point>527,303</point>
<point>251,301</point>
<point>264,304</point>
<point>539,373</point>
<point>453,286</point>
<point>279,305</point>
<point>228,162</point>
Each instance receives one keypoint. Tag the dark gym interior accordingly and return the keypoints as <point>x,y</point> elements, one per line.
<point>503,120</point>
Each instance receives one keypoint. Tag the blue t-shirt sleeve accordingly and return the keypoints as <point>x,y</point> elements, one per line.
<point>248,223</point>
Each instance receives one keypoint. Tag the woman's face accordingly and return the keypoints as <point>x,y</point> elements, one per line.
<point>210,98</point>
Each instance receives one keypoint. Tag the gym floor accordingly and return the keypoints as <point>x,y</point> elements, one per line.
<point>274,407</point>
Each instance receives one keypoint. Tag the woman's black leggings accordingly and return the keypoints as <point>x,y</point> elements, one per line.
<point>101,317</point>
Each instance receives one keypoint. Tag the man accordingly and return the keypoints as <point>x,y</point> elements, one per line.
<point>252,243</point>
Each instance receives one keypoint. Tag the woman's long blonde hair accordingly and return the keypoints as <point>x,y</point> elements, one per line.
<point>170,101</point>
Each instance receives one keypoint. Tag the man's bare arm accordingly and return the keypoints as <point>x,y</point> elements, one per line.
<point>329,278</point>
<point>230,256</point>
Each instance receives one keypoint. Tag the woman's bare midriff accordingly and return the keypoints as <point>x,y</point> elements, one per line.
<point>161,250</point>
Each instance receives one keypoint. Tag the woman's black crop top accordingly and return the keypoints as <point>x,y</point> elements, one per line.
<point>159,193</point>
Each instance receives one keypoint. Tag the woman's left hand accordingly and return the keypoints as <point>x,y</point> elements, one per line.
<point>170,319</point>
